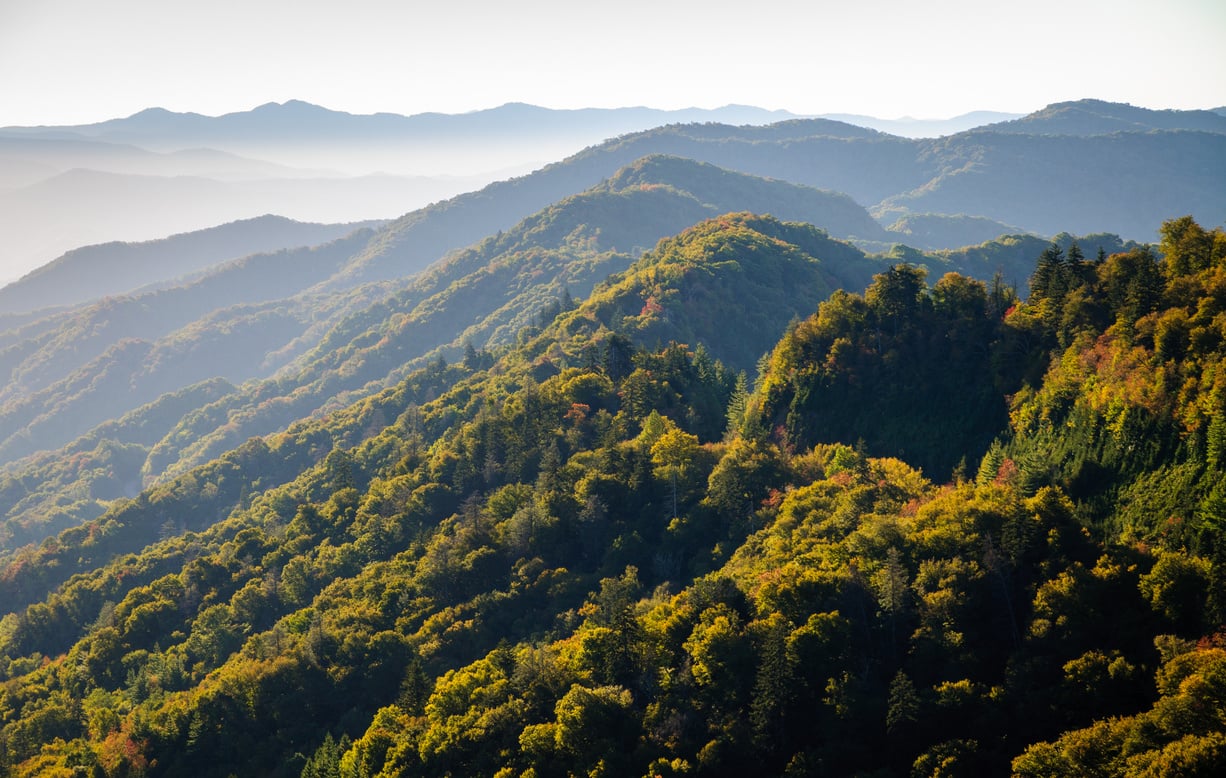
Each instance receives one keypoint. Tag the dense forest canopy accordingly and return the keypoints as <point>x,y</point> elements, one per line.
<point>936,530</point>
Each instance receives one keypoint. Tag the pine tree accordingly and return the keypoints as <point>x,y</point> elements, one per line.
<point>904,703</point>
<point>738,403</point>
<point>326,761</point>
<point>1049,279</point>
<point>772,688</point>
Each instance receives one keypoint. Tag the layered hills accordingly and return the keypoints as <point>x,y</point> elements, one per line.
<point>1038,183</point>
<point>599,550</point>
<point>666,459</point>
<point>1035,173</point>
<point>91,272</point>
<point>294,325</point>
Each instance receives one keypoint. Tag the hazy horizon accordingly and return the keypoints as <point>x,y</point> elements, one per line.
<point>487,108</point>
<point>77,61</point>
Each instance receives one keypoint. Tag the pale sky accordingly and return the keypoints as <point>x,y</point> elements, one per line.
<point>76,61</point>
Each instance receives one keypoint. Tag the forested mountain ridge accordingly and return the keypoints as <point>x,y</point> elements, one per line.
<point>226,323</point>
<point>764,296</point>
<point>482,297</point>
<point>594,543</point>
<point>1099,117</point>
<point>602,556</point>
<point>250,318</point>
<point>1048,179</point>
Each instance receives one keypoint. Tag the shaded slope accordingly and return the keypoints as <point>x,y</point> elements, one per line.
<point>1048,184</point>
<point>116,268</point>
<point>552,569</point>
<point>905,370</point>
<point>226,324</point>
<point>487,294</point>
<point>937,231</point>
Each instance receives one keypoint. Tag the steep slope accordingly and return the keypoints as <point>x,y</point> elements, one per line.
<point>251,318</point>
<point>724,190</point>
<point>488,294</point>
<point>245,319</point>
<point>53,491</point>
<point>64,341</point>
<point>778,274</point>
<point>836,375</point>
<point>1129,417</point>
<point>755,271</point>
<point>550,566</point>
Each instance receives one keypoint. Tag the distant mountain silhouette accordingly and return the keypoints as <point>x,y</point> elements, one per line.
<point>296,123</point>
<point>925,128</point>
<point>1099,117</point>
<point>97,271</point>
<point>1045,184</point>
<point>1046,173</point>
<point>941,231</point>
<point>70,186</point>
<point>82,207</point>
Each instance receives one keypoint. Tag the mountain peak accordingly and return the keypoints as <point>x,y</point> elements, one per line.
<point>290,106</point>
<point>1090,116</point>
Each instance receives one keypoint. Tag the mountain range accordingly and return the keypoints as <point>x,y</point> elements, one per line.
<point>791,449</point>
<point>315,328</point>
<point>158,173</point>
<point>601,549</point>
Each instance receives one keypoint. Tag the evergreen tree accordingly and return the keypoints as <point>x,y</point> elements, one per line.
<point>903,707</point>
<point>738,403</point>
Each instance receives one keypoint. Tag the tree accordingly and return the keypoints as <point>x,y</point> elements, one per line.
<point>326,761</point>
<point>1050,275</point>
<point>472,360</point>
<point>596,726</point>
<point>1186,247</point>
<point>773,686</point>
<point>738,403</point>
<point>744,476</point>
<point>672,455</point>
<point>903,708</point>
<point>892,586</point>
<point>895,295</point>
<point>618,356</point>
